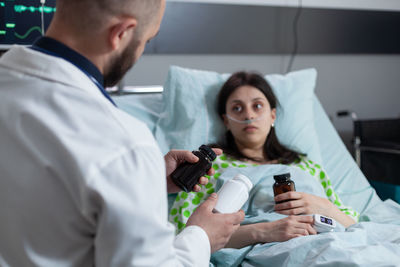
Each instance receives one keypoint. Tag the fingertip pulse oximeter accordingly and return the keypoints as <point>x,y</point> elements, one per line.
<point>323,223</point>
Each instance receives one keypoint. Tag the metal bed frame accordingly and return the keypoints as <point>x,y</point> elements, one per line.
<point>376,145</point>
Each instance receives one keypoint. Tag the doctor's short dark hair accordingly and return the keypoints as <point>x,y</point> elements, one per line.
<point>88,15</point>
<point>273,149</point>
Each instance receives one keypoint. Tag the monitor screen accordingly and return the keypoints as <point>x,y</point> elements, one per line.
<point>22,21</point>
<point>326,220</point>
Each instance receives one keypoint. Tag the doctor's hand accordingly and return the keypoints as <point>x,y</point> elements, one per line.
<point>302,203</point>
<point>219,227</point>
<point>176,157</point>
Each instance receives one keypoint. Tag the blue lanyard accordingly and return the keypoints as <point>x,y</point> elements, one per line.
<point>101,87</point>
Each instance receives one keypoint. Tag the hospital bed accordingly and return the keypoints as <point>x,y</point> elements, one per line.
<point>348,180</point>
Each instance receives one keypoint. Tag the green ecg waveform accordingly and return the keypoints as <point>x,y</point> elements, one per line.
<point>36,28</point>
<point>22,8</point>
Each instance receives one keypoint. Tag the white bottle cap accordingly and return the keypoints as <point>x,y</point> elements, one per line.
<point>245,180</point>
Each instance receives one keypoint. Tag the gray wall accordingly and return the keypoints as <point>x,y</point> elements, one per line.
<point>367,84</point>
<point>190,28</point>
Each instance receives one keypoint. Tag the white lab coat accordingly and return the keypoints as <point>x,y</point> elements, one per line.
<point>81,182</point>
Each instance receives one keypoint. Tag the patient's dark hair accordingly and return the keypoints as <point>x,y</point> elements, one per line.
<point>273,149</point>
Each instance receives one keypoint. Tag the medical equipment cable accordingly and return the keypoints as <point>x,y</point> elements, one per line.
<point>295,35</point>
<point>42,2</point>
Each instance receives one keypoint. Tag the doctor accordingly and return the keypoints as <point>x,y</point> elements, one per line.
<point>81,182</point>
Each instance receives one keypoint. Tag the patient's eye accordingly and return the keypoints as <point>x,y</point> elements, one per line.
<point>236,109</point>
<point>258,106</point>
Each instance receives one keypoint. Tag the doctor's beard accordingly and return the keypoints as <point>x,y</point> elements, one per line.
<point>119,65</point>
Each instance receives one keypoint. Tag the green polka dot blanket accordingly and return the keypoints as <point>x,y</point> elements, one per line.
<point>186,203</point>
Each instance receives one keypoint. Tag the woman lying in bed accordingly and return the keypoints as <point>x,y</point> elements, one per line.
<point>247,106</point>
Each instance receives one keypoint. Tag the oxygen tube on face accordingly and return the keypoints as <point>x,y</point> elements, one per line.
<point>247,121</point>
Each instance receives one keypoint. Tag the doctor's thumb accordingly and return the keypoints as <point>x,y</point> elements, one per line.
<point>211,201</point>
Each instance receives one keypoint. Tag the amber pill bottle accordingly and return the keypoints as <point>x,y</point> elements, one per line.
<point>283,184</point>
<point>187,175</point>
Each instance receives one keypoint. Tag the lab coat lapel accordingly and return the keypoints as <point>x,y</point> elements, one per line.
<point>31,62</point>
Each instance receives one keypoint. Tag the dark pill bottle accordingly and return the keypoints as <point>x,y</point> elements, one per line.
<point>283,184</point>
<point>187,175</point>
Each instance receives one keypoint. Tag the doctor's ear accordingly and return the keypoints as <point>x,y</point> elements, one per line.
<point>119,32</point>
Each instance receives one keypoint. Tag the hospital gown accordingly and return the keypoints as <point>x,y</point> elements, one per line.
<point>185,203</point>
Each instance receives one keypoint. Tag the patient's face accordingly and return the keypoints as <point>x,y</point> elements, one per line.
<point>249,103</point>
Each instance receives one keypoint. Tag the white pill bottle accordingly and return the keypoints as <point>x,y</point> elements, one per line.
<point>233,194</point>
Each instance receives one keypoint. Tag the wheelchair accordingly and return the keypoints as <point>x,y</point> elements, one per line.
<point>376,149</point>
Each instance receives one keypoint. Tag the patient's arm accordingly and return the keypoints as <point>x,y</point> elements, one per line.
<point>319,173</point>
<point>339,216</point>
<point>277,231</point>
<point>297,203</point>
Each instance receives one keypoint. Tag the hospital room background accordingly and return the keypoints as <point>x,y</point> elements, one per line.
<point>353,45</point>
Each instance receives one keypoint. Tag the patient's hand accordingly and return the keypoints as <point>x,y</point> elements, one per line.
<point>276,231</point>
<point>219,227</point>
<point>302,203</point>
<point>287,228</point>
<point>176,157</point>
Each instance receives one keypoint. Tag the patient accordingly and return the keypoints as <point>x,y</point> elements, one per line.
<point>247,106</point>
